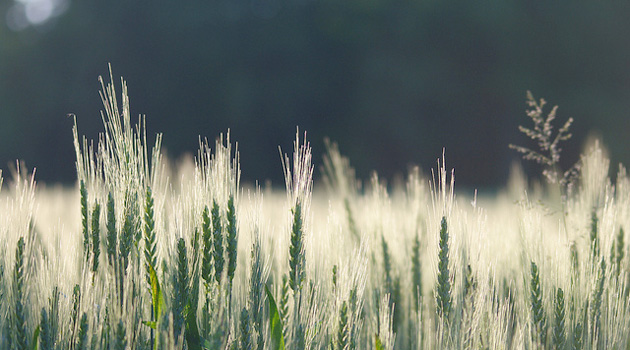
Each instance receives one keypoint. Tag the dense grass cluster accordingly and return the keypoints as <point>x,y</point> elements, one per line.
<point>142,256</point>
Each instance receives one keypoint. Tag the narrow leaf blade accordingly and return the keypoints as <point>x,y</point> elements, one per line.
<point>277,338</point>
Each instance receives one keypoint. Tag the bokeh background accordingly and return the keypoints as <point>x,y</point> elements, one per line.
<point>392,81</point>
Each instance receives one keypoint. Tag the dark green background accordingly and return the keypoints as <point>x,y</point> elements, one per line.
<point>392,81</point>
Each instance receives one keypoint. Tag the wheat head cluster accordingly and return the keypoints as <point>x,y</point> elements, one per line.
<point>144,255</point>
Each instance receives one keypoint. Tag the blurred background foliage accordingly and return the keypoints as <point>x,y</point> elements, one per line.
<point>392,81</point>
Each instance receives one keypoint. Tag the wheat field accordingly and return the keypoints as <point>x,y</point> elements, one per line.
<point>144,255</point>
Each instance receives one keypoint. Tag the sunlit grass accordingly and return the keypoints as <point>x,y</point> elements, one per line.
<point>138,258</point>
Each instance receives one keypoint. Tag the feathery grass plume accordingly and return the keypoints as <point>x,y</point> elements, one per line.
<point>548,144</point>
<point>84,220</point>
<point>217,237</point>
<point>596,301</point>
<point>19,317</point>
<point>112,236</point>
<point>232,237</point>
<point>443,293</point>
<point>120,340</point>
<point>246,332</point>
<point>96,236</point>
<point>45,336</point>
<point>343,333</point>
<point>206,235</point>
<point>180,288</point>
<point>539,323</point>
<point>594,236</point>
<point>558,335</point>
<point>416,273</point>
<point>82,341</point>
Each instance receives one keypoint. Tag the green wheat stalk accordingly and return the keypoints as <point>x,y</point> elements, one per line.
<point>111,231</point>
<point>206,236</point>
<point>232,237</point>
<point>594,234</point>
<point>620,245</point>
<point>296,250</point>
<point>82,343</point>
<point>180,288</point>
<point>96,237</point>
<point>246,332</point>
<point>76,305</point>
<point>217,236</point>
<point>19,319</point>
<point>283,308</point>
<point>150,250</point>
<point>387,265</point>
<point>54,314</point>
<point>596,301</point>
<point>45,335</point>
<point>416,273</point>
<point>538,313</point>
<point>443,295</point>
<point>558,335</point>
<point>256,290</point>
<point>84,220</point>
<point>343,333</point>
<point>120,340</point>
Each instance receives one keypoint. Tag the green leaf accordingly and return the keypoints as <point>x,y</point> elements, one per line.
<point>150,324</point>
<point>35,343</point>
<point>378,345</point>
<point>156,293</point>
<point>277,339</point>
